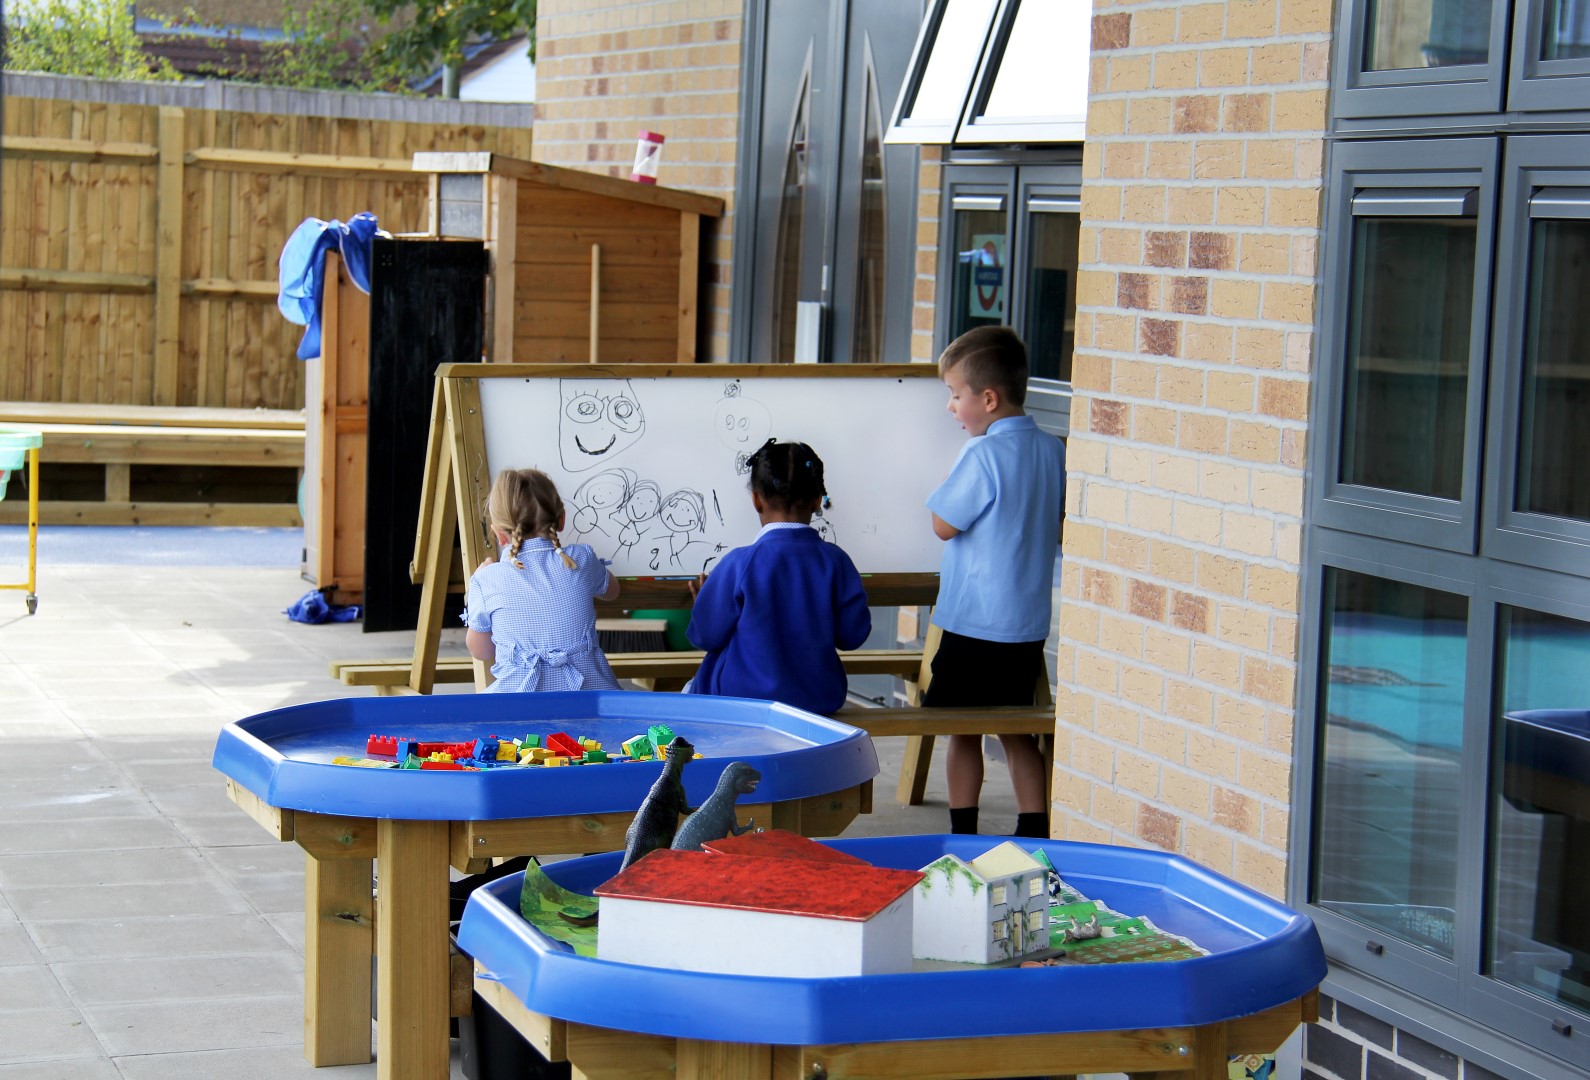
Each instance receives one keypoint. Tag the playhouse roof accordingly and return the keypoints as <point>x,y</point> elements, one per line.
<point>824,890</point>
<point>779,844</point>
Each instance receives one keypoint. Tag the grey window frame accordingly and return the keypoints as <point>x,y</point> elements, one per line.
<point>975,129</point>
<point>1532,539</point>
<point>1048,400</point>
<point>1456,166</point>
<point>1500,1026</point>
<point>903,127</point>
<point>1535,84</point>
<point>1407,92</point>
<point>1460,985</point>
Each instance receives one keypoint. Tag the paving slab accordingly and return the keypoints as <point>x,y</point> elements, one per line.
<point>177,1026</point>
<point>62,941</point>
<point>28,1035</point>
<point>84,1068</point>
<point>180,978</point>
<point>264,1064</point>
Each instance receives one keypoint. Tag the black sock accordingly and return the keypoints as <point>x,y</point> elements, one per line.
<point>963,819</point>
<point>1034,824</point>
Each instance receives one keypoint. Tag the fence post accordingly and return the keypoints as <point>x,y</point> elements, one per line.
<point>168,255</point>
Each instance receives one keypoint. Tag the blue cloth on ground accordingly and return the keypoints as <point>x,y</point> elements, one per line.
<point>314,608</point>
<point>302,270</point>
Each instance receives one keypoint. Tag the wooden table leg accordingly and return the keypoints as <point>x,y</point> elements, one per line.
<point>337,940</point>
<point>411,950</point>
<point>723,1061</point>
<point>914,770</point>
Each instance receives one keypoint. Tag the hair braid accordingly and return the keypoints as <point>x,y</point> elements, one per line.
<point>557,545</point>
<point>513,548</point>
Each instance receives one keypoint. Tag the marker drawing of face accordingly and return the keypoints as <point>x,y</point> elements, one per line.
<point>600,419</point>
<point>741,423</point>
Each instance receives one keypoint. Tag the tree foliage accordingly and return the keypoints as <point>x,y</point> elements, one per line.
<point>424,35</point>
<point>93,38</point>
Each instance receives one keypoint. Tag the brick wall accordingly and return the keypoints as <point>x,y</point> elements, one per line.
<point>1200,214</point>
<point>924,309</point>
<point>606,69</point>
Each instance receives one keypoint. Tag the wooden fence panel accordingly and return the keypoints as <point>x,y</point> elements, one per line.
<point>139,243</point>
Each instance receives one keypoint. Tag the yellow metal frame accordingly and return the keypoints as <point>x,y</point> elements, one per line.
<point>31,583</point>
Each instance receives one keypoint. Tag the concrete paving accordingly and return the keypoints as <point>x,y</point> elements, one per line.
<point>148,928</point>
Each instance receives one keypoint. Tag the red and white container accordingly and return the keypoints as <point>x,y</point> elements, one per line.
<point>648,155</point>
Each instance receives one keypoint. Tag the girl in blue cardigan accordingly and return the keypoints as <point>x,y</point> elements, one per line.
<point>772,614</point>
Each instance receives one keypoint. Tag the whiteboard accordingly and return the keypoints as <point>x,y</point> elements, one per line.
<point>653,470</point>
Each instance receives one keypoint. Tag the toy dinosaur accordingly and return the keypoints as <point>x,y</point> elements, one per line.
<point>658,817</point>
<point>715,819</point>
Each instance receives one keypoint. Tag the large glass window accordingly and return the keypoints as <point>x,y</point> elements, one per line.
<point>1445,730</point>
<point>979,294</point>
<point>1406,376</point>
<point>1051,305</point>
<point>1426,33</point>
<point>1539,937</point>
<point>1567,30</point>
<point>791,230</point>
<point>872,235</point>
<point>1391,723</point>
<point>1554,435</point>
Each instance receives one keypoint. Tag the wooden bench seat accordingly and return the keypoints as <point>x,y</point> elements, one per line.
<point>119,438</point>
<point>920,725</point>
<point>661,667</point>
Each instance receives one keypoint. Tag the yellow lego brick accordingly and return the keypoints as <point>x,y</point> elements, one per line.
<point>555,759</point>
<point>507,751</point>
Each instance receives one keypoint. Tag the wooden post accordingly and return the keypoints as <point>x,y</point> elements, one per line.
<point>411,926</point>
<point>471,481</point>
<point>596,298</point>
<point>722,1061</point>
<point>502,241</point>
<point>689,281</point>
<point>338,935</point>
<point>169,208</point>
<point>918,748</point>
<point>441,512</point>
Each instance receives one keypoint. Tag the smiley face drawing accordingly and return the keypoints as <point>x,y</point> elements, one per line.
<point>741,423</point>
<point>600,419</point>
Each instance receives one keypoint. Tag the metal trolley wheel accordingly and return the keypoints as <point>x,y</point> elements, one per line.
<point>33,604</point>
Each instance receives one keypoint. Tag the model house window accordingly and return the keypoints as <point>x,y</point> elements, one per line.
<point>1445,722</point>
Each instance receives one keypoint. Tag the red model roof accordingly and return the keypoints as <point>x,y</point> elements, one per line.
<point>824,890</point>
<point>779,844</point>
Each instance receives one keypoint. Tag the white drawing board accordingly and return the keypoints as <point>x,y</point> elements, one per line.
<point>652,470</point>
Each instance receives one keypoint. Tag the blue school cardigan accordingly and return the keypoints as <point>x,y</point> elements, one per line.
<point>771,616</point>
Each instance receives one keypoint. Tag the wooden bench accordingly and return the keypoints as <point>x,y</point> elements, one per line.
<point>920,725</point>
<point>203,442</point>
<point>659,668</point>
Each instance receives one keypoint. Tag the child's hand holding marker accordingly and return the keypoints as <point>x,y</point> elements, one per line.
<point>696,585</point>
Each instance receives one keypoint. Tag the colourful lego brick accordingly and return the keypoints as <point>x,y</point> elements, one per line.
<point>595,757</point>
<point>485,749</point>
<point>530,741</point>
<point>637,746</point>
<point>563,743</point>
<point>659,735</point>
<point>381,744</point>
<point>507,751</point>
<point>440,757</point>
<point>435,764</point>
<point>405,748</point>
<point>554,759</point>
<point>411,762</point>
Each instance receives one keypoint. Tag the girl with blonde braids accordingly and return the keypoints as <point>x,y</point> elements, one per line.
<point>532,613</point>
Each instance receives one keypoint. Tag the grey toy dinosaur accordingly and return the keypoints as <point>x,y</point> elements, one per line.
<point>658,817</point>
<point>715,819</point>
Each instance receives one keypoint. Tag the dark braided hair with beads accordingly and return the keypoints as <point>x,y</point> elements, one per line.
<point>787,474</point>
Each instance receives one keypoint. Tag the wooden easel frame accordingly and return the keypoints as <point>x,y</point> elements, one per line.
<point>457,480</point>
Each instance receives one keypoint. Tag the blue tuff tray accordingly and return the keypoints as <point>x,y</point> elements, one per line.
<point>1551,740</point>
<point>1261,955</point>
<point>284,756</point>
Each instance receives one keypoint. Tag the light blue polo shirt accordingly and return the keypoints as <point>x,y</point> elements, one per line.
<point>1004,494</point>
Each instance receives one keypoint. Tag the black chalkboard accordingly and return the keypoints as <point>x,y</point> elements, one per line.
<point>427,308</point>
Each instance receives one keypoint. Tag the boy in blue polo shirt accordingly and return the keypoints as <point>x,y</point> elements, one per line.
<point>999,513</point>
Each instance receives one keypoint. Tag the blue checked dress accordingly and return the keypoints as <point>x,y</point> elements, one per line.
<point>542,619</point>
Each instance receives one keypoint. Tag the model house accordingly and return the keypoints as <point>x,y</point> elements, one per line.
<point>743,915</point>
<point>993,908</point>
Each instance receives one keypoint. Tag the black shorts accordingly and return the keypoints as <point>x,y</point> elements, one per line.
<point>969,671</point>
